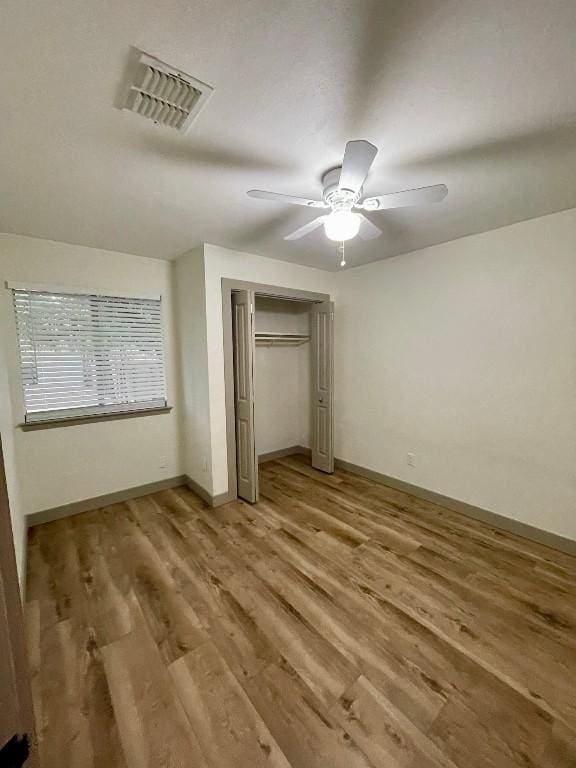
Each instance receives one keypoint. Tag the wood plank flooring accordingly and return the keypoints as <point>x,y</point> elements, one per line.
<point>336,624</point>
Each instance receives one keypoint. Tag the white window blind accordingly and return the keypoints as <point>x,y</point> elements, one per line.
<point>83,354</point>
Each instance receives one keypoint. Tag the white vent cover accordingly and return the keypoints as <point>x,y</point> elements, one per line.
<point>166,95</point>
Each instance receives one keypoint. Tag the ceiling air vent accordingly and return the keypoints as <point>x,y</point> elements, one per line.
<point>165,95</point>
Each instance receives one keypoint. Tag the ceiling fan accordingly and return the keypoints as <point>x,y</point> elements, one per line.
<point>342,193</point>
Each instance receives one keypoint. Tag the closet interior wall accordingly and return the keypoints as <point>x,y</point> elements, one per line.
<point>282,377</point>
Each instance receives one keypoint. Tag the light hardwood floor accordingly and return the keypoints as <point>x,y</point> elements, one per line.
<point>335,624</point>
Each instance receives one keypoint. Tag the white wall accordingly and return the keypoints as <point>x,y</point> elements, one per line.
<point>67,464</point>
<point>191,313</point>
<point>465,355</point>
<point>10,468</point>
<point>282,378</point>
<point>224,263</point>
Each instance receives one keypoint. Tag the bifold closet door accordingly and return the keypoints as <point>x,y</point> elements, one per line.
<point>322,333</point>
<point>243,346</point>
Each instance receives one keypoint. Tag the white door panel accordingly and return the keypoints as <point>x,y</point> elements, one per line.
<point>243,347</point>
<point>322,332</point>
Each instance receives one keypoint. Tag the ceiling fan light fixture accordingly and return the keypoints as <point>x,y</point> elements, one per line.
<point>341,225</point>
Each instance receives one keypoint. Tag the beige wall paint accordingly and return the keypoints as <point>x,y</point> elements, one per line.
<point>11,469</point>
<point>63,465</point>
<point>282,399</point>
<point>191,314</point>
<point>464,354</point>
<point>282,378</point>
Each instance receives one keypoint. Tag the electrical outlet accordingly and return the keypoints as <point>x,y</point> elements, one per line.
<point>205,465</point>
<point>163,462</point>
<point>410,459</point>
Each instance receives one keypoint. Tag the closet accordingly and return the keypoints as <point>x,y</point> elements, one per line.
<point>283,399</point>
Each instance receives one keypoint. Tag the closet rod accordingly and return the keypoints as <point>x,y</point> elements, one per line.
<point>270,339</point>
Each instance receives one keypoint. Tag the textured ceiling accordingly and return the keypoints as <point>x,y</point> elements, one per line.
<point>478,95</point>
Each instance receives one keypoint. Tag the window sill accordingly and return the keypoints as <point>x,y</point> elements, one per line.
<point>70,421</point>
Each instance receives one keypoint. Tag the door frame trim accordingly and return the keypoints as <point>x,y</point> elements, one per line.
<point>260,289</point>
<point>11,609</point>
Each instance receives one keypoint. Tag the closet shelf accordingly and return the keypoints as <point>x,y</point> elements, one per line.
<point>284,339</point>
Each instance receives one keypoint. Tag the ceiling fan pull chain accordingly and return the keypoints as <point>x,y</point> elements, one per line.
<point>342,251</point>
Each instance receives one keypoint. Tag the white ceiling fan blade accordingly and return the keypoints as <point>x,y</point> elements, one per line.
<point>291,199</point>
<point>306,229</point>
<point>368,231</point>
<point>358,157</point>
<point>422,196</point>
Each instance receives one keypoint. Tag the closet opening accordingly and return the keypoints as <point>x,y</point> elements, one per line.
<point>278,349</point>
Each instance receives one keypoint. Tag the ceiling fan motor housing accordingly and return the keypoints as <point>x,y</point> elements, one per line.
<point>336,197</point>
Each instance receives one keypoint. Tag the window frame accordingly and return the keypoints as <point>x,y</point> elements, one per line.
<point>85,414</point>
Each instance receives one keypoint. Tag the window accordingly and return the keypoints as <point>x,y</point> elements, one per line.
<point>83,355</point>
